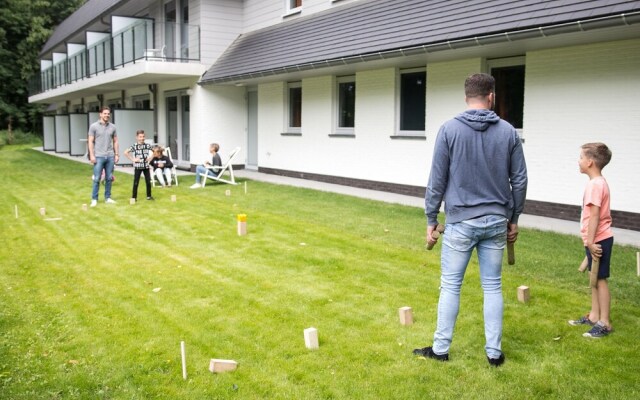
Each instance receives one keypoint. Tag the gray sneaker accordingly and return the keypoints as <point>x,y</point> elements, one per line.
<point>584,320</point>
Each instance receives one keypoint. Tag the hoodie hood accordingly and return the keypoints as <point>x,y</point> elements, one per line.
<point>478,120</point>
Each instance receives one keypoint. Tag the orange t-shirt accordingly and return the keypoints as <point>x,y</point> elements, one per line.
<point>597,194</point>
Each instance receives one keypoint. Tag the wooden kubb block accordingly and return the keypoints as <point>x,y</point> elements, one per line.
<point>216,365</point>
<point>173,198</point>
<point>523,294</point>
<point>242,224</point>
<point>406,315</point>
<point>311,338</point>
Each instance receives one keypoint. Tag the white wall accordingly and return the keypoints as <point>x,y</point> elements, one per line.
<point>220,24</point>
<point>577,95</point>
<point>218,114</point>
<point>259,14</point>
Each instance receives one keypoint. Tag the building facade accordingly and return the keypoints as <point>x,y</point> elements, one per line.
<point>354,91</point>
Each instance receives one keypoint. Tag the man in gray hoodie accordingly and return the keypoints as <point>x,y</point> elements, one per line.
<point>478,170</point>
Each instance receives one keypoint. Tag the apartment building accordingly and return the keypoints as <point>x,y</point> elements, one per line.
<point>354,91</point>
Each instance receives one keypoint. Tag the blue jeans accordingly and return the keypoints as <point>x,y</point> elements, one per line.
<point>106,164</point>
<point>201,169</point>
<point>488,235</point>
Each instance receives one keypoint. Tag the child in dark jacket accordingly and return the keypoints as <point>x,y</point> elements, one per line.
<point>161,166</point>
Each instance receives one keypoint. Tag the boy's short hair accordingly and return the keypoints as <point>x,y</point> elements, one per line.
<point>598,152</point>
<point>214,146</point>
<point>140,132</point>
<point>479,85</point>
<point>157,148</point>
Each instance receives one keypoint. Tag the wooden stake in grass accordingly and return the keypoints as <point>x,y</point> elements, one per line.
<point>311,338</point>
<point>43,212</point>
<point>523,294</point>
<point>174,198</point>
<point>84,207</point>
<point>638,262</point>
<point>16,208</point>
<point>242,224</point>
<point>406,315</point>
<point>227,192</point>
<point>245,187</point>
<point>184,360</point>
<point>217,365</point>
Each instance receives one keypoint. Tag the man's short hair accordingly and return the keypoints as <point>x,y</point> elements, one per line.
<point>598,152</point>
<point>479,85</point>
<point>104,108</point>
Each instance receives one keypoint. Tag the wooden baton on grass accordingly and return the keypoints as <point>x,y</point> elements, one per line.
<point>436,234</point>
<point>511,253</point>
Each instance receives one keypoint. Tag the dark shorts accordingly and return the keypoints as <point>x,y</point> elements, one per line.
<point>605,260</point>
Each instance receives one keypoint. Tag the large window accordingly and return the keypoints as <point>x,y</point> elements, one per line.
<point>346,104</point>
<point>292,5</point>
<point>412,101</point>
<point>141,102</point>
<point>509,75</point>
<point>294,107</point>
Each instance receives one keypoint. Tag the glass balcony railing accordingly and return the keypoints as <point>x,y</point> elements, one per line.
<point>143,41</point>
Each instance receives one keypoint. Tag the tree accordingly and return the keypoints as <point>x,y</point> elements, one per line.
<point>25,25</point>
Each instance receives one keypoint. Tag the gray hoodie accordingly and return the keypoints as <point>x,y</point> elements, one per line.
<point>478,169</point>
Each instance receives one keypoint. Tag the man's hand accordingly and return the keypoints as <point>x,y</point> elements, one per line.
<point>431,241</point>
<point>512,232</point>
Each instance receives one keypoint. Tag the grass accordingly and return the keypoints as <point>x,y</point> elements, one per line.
<point>79,317</point>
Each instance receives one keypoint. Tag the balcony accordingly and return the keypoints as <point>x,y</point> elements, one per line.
<point>142,42</point>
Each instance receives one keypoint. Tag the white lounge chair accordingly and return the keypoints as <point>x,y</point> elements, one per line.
<point>220,171</point>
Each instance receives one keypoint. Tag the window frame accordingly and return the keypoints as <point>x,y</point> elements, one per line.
<point>292,7</point>
<point>341,130</point>
<point>398,103</point>
<point>287,105</point>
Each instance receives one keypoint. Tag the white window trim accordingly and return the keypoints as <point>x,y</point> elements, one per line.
<point>337,130</point>
<point>288,10</point>
<point>398,94</point>
<point>287,108</point>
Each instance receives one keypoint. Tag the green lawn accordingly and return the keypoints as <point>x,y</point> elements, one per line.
<point>79,316</point>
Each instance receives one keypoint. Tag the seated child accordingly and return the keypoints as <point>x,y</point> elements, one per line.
<point>161,166</point>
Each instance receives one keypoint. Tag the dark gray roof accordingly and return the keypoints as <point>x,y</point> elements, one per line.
<point>78,21</point>
<point>367,27</point>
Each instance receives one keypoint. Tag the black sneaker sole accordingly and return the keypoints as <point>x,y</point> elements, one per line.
<point>496,362</point>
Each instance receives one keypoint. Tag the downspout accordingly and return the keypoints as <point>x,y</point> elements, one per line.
<point>154,95</point>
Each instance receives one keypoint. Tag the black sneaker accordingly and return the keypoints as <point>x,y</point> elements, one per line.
<point>584,320</point>
<point>496,362</point>
<point>150,198</point>
<point>427,352</point>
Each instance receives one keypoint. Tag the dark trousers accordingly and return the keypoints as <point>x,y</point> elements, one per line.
<point>136,180</point>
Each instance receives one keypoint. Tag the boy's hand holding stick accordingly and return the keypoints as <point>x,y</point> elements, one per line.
<point>595,267</point>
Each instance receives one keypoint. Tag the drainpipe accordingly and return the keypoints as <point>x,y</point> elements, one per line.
<point>154,95</point>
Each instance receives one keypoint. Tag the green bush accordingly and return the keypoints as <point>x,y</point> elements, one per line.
<point>19,137</point>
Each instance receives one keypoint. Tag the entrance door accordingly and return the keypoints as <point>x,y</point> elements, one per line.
<point>252,130</point>
<point>178,126</point>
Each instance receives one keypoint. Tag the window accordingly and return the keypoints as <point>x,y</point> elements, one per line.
<point>293,4</point>
<point>141,102</point>
<point>294,107</point>
<point>346,104</point>
<point>412,101</point>
<point>114,103</point>
<point>509,75</point>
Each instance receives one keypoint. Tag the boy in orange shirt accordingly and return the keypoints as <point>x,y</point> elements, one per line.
<point>595,229</point>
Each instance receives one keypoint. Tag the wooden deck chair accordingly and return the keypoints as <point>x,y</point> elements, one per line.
<point>220,171</point>
<point>174,171</point>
